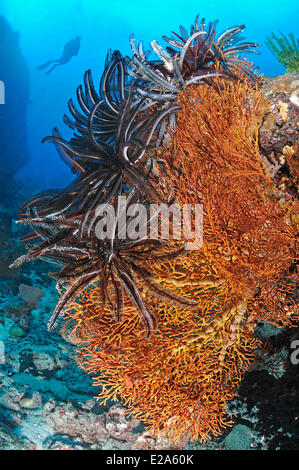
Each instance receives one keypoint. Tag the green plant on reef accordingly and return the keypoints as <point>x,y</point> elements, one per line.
<point>286,50</point>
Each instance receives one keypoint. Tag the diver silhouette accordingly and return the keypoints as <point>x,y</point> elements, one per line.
<point>70,50</point>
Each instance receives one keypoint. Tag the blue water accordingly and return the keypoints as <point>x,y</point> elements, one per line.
<point>46,25</point>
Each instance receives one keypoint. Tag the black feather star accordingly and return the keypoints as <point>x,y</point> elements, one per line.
<point>116,129</point>
<point>188,59</point>
<point>113,264</point>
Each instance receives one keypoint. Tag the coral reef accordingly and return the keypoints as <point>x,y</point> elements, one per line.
<point>275,403</point>
<point>279,136</point>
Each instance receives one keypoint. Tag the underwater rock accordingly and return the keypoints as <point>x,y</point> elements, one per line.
<point>151,441</point>
<point>239,438</point>
<point>9,187</point>
<point>67,420</point>
<point>118,425</point>
<point>44,362</point>
<point>13,113</point>
<point>110,430</point>
<point>17,331</point>
<point>279,133</point>
<point>14,74</point>
<point>30,295</point>
<point>280,124</point>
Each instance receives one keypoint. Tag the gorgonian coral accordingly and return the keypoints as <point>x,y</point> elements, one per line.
<point>180,379</point>
<point>184,129</point>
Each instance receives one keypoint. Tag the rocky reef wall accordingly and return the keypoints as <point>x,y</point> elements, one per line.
<point>14,77</point>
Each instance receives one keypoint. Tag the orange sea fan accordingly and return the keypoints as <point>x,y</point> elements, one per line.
<point>180,378</point>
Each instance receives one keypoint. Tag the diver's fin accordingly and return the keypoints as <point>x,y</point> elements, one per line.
<point>52,68</point>
<point>43,66</point>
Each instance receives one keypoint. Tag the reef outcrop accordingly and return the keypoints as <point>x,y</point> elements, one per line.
<point>14,76</point>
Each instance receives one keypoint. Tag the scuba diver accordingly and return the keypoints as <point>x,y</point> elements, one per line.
<point>70,49</point>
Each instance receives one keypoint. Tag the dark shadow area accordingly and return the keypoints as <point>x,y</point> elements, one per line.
<point>277,399</point>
